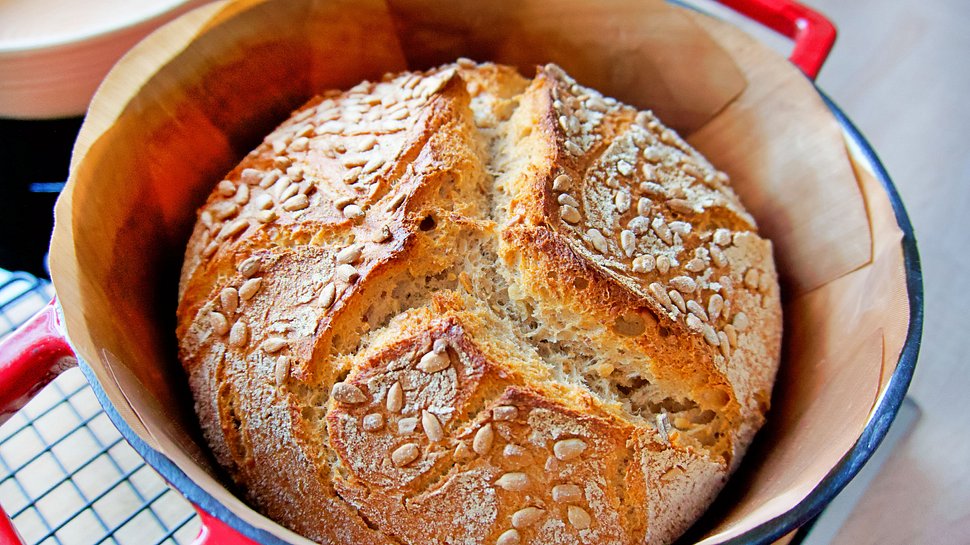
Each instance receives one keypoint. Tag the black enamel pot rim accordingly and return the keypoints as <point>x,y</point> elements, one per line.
<point>764,534</point>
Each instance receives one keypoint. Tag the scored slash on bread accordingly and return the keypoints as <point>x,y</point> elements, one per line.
<point>461,306</point>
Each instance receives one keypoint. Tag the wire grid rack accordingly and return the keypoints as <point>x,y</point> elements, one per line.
<point>66,475</point>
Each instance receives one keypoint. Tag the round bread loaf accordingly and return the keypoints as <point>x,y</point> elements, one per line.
<point>462,306</point>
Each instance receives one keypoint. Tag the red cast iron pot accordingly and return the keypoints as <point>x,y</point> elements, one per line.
<point>36,353</point>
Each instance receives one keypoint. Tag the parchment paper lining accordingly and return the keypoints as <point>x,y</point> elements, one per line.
<point>187,103</point>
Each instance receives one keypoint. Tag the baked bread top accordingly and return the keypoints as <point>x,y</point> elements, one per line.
<point>462,306</point>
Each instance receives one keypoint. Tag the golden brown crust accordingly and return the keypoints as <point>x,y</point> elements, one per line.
<point>466,307</point>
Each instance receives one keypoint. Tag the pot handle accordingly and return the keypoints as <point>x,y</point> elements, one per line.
<point>30,357</point>
<point>216,532</point>
<point>813,33</point>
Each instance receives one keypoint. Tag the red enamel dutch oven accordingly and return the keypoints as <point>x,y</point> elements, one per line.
<point>41,349</point>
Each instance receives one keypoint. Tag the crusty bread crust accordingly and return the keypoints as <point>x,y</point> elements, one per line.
<point>461,306</point>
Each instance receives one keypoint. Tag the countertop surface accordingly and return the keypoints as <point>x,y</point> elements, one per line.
<point>900,72</point>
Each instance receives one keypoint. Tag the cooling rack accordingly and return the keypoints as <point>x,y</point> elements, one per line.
<point>66,474</point>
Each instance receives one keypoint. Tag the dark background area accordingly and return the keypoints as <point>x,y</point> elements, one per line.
<point>36,156</point>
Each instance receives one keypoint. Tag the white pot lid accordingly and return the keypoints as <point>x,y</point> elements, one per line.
<point>54,53</point>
